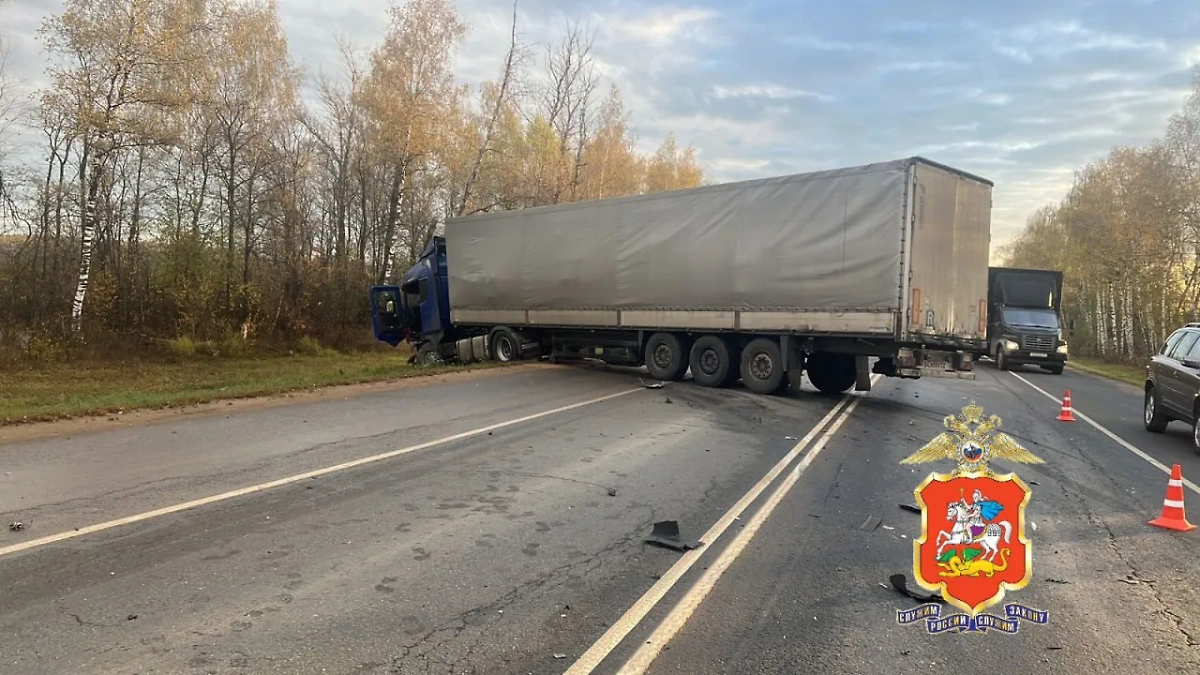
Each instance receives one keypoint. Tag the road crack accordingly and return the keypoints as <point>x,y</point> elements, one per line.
<point>1134,573</point>
<point>425,650</point>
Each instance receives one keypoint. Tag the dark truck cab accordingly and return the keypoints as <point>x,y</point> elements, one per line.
<point>417,309</point>
<point>1025,318</point>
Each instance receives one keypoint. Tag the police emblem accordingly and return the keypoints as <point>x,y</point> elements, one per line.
<point>972,546</point>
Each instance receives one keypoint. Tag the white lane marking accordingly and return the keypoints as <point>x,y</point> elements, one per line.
<point>1122,442</point>
<point>34,543</point>
<point>679,615</point>
<point>623,626</point>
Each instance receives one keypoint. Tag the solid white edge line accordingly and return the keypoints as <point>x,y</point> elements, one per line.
<point>1122,442</point>
<point>616,633</point>
<point>43,541</point>
<point>675,620</point>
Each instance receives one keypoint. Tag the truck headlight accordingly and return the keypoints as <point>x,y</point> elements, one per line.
<point>1009,346</point>
<point>1062,349</point>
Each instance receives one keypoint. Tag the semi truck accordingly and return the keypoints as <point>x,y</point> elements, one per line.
<point>879,268</point>
<point>1025,318</point>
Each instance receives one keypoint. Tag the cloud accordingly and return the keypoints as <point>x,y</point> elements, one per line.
<point>768,91</point>
<point>1023,92</point>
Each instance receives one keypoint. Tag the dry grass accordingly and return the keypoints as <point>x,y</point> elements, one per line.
<point>1121,372</point>
<point>57,391</point>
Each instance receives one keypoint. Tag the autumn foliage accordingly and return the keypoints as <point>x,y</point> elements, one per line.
<point>195,184</point>
<point>1127,237</point>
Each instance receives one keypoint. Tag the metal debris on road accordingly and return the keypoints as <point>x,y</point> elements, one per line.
<point>16,526</point>
<point>652,385</point>
<point>666,533</point>
<point>910,507</point>
<point>870,523</point>
<point>560,656</point>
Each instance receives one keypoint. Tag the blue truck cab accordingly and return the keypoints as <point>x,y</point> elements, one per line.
<point>418,310</point>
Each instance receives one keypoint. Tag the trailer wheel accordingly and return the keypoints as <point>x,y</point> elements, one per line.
<point>832,373</point>
<point>666,358</point>
<point>762,367</point>
<point>505,346</point>
<point>711,362</point>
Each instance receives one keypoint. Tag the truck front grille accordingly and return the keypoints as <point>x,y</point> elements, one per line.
<point>1037,343</point>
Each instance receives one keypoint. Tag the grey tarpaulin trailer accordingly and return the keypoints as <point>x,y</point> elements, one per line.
<point>750,280</point>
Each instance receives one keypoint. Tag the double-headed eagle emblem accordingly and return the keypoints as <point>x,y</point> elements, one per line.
<point>972,448</point>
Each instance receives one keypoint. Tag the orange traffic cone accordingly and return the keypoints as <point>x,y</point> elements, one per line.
<point>1068,413</point>
<point>1173,517</point>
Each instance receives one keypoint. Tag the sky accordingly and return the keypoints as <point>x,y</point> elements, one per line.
<point>1021,92</point>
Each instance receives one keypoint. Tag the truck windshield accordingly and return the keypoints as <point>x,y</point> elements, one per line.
<point>1031,318</point>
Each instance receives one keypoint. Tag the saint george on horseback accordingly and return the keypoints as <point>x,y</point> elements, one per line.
<point>972,525</point>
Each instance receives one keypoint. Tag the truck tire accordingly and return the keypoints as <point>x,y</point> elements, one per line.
<point>666,358</point>
<point>832,373</point>
<point>762,367</point>
<point>1001,360</point>
<point>711,362</point>
<point>427,355</point>
<point>506,347</point>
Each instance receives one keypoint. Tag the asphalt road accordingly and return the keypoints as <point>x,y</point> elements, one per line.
<point>519,549</point>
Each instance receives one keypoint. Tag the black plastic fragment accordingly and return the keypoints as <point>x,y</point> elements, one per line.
<point>900,583</point>
<point>666,534</point>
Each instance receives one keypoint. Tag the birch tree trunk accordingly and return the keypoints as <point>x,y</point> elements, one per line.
<point>87,233</point>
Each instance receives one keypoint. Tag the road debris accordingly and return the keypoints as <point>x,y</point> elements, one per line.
<point>612,492</point>
<point>790,438</point>
<point>1057,581</point>
<point>651,385</point>
<point>16,526</point>
<point>666,534</point>
<point>900,583</point>
<point>560,656</point>
<point>870,523</point>
<point>910,507</point>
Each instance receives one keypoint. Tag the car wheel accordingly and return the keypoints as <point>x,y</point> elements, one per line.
<point>1152,414</point>
<point>1196,429</point>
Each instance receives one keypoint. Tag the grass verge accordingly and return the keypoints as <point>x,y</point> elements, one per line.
<point>1121,372</point>
<point>70,390</point>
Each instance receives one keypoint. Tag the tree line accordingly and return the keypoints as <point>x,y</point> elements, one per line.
<point>185,186</point>
<point>1127,238</point>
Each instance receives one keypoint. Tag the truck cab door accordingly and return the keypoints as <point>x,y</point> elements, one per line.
<point>426,316</point>
<point>388,314</point>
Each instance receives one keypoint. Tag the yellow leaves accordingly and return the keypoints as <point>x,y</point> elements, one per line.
<point>670,169</point>
<point>117,59</point>
<point>411,77</point>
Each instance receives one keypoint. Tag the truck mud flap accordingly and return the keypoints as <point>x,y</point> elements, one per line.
<point>862,373</point>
